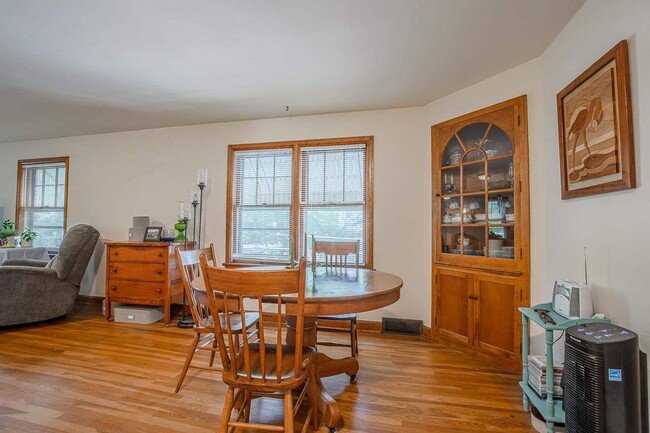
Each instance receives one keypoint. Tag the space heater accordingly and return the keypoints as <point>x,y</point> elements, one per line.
<point>605,380</point>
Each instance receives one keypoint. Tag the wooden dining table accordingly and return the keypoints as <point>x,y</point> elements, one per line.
<point>333,291</point>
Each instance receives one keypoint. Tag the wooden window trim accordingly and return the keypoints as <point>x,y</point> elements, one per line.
<point>19,187</point>
<point>297,145</point>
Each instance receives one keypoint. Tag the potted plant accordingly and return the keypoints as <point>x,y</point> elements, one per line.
<point>9,233</point>
<point>27,238</point>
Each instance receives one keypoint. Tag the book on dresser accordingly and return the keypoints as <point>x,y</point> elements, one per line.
<point>143,273</point>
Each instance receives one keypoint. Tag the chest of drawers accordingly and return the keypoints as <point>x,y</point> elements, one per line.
<point>142,273</point>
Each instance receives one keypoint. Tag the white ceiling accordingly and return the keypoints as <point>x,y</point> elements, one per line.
<point>75,67</point>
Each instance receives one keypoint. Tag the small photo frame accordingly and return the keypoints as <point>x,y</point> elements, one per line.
<point>152,234</point>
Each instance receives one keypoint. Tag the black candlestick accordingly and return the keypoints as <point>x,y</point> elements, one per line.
<point>186,321</point>
<point>195,203</point>
<point>201,188</point>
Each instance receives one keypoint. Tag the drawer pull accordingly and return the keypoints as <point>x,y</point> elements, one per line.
<point>159,272</point>
<point>160,255</point>
<point>158,290</point>
<point>114,253</point>
<point>115,270</point>
<point>113,288</point>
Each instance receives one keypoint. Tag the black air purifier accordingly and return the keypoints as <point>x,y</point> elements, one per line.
<point>604,385</point>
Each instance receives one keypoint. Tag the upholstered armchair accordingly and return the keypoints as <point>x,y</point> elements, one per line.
<point>33,291</point>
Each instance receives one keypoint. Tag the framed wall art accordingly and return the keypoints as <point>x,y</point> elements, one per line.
<point>595,128</point>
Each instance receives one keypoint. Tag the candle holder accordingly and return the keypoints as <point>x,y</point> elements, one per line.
<point>180,226</point>
<point>184,217</point>
<point>202,183</point>
<point>194,201</point>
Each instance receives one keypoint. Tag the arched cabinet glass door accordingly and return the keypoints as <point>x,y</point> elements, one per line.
<point>477,202</point>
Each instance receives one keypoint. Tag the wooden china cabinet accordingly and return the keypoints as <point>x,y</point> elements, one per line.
<point>481,230</point>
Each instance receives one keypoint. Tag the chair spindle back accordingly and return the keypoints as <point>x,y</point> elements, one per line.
<point>189,264</point>
<point>336,252</point>
<point>286,286</point>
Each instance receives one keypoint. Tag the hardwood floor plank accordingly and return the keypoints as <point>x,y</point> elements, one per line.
<point>84,374</point>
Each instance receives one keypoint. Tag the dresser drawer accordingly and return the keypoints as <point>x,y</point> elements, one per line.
<point>137,271</point>
<point>135,291</point>
<point>137,254</point>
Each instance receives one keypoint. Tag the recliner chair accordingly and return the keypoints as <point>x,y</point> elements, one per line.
<point>33,291</point>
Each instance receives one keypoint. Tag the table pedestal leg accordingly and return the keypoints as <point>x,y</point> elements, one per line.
<point>325,367</point>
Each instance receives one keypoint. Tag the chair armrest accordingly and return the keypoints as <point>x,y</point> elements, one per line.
<point>25,262</point>
<point>13,271</point>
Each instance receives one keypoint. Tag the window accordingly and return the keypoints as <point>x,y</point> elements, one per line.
<point>332,195</point>
<point>261,209</point>
<point>42,199</point>
<point>280,192</point>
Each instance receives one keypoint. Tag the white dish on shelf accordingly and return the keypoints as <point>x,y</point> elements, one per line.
<point>479,217</point>
<point>491,153</point>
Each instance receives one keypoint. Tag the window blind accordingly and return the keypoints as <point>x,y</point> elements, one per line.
<point>333,196</point>
<point>43,202</point>
<point>261,210</point>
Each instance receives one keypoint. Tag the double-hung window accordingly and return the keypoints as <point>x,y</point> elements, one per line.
<point>42,199</point>
<point>261,204</point>
<point>282,194</point>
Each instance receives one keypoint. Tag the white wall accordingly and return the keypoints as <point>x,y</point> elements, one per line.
<point>116,176</point>
<point>613,227</point>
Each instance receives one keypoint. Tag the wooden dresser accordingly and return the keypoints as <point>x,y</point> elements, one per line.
<point>142,273</point>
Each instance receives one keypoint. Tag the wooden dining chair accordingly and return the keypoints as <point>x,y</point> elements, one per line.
<point>204,321</point>
<point>263,368</point>
<point>336,257</point>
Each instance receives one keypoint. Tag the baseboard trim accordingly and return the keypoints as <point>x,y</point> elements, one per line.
<point>362,325</point>
<point>89,300</point>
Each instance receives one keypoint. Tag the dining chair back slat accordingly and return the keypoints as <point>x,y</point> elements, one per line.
<point>255,286</point>
<point>336,252</point>
<point>188,263</point>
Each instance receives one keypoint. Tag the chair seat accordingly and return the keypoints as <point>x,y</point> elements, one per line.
<point>339,317</point>
<point>250,319</point>
<point>286,369</point>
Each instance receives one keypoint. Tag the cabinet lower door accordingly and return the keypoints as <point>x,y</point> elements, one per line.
<point>452,305</point>
<point>497,322</point>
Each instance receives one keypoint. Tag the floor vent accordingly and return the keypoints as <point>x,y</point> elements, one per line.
<point>401,326</point>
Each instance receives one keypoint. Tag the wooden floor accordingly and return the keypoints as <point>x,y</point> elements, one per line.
<point>84,374</point>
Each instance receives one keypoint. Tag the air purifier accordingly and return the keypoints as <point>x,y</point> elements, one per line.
<point>603,374</point>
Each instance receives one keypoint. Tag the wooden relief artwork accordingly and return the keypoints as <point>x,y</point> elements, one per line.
<point>596,146</point>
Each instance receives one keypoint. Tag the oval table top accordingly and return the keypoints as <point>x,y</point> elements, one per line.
<point>332,291</point>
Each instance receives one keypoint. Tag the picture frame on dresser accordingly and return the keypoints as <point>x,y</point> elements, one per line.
<point>152,234</point>
<point>595,128</point>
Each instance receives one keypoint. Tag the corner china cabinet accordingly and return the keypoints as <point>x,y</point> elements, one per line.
<point>481,230</point>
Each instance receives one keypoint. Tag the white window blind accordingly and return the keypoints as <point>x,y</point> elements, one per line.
<point>333,196</point>
<point>261,206</point>
<point>43,202</point>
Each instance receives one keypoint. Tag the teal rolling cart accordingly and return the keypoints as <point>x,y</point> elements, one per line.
<point>551,409</point>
